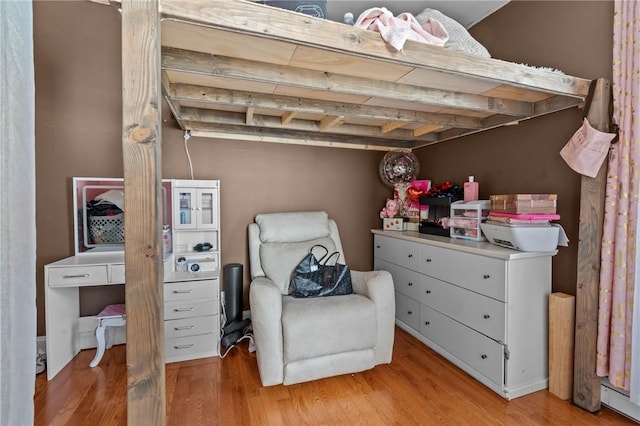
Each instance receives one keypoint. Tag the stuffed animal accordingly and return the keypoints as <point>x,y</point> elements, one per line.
<point>390,209</point>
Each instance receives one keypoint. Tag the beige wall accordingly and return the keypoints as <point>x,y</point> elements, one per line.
<point>572,36</point>
<point>78,119</point>
<point>78,133</point>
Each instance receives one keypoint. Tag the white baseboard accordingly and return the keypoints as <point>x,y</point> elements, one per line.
<point>619,402</point>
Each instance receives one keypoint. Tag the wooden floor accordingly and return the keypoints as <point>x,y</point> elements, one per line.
<point>418,388</point>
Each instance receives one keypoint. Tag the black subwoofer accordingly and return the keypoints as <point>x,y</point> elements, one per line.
<point>235,325</point>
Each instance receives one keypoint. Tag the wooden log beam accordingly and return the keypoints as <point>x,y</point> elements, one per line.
<point>293,137</point>
<point>586,385</point>
<point>178,60</point>
<point>288,116</point>
<point>223,118</point>
<point>330,121</point>
<point>141,151</point>
<point>561,337</point>
<point>178,92</point>
<point>249,115</point>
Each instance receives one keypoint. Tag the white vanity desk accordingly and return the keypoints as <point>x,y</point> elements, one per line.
<point>190,307</point>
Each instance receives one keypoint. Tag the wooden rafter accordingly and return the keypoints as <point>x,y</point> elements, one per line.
<point>211,96</point>
<point>178,60</point>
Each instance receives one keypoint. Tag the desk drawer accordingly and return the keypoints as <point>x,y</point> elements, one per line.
<point>117,274</point>
<point>190,290</point>
<point>191,326</point>
<point>190,309</point>
<point>191,347</point>
<point>78,276</point>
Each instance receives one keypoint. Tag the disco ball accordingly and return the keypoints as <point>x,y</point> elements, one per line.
<point>399,166</point>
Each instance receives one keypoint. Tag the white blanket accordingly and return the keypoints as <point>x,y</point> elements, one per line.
<point>395,30</point>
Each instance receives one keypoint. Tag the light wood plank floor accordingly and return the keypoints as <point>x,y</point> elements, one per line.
<point>418,388</point>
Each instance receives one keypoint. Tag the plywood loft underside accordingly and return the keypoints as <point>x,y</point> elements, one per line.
<point>239,70</point>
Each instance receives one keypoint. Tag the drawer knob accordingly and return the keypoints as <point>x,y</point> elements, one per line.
<point>184,327</point>
<point>483,356</point>
<point>486,277</point>
<point>427,323</point>
<point>428,260</point>
<point>410,284</point>
<point>182,291</point>
<point>428,291</point>
<point>409,312</point>
<point>189,346</point>
<point>410,255</point>
<point>486,316</point>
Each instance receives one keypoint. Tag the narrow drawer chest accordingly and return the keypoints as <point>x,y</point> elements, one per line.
<point>482,307</point>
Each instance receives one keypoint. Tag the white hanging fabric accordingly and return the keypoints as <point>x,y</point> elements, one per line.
<point>17,220</point>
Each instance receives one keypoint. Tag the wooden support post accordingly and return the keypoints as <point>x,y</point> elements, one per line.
<point>561,329</point>
<point>141,150</point>
<point>586,385</point>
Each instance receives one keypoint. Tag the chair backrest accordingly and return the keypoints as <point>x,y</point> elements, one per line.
<point>279,241</point>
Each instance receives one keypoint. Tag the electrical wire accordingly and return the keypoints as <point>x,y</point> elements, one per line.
<point>187,136</point>
<point>247,333</point>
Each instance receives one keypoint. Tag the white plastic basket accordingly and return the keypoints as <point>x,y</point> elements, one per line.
<point>107,229</point>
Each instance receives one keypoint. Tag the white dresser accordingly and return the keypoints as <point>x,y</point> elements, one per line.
<point>482,307</point>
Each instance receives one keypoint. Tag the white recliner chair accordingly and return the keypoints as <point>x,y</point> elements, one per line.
<point>299,340</point>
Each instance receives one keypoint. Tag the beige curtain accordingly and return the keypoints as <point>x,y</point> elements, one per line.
<point>618,272</point>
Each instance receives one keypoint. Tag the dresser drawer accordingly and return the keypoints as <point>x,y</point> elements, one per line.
<point>191,326</point>
<point>190,347</point>
<point>405,281</point>
<point>407,310</point>
<point>481,274</point>
<point>472,348</point>
<point>117,274</point>
<point>190,290</point>
<point>190,309</point>
<point>399,252</point>
<point>481,313</point>
<point>77,276</point>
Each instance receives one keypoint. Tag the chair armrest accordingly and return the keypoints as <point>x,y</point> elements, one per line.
<point>378,286</point>
<point>265,300</point>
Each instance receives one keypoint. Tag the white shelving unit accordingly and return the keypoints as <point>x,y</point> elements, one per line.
<point>191,299</point>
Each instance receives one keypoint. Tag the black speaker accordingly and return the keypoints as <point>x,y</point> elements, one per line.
<point>233,276</point>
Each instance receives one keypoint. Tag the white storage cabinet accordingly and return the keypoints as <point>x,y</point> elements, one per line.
<point>482,307</point>
<point>196,220</point>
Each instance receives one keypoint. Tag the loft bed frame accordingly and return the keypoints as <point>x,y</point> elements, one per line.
<point>247,71</point>
<point>237,70</point>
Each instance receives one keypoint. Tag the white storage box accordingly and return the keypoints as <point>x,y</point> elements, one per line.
<point>524,238</point>
<point>465,219</point>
